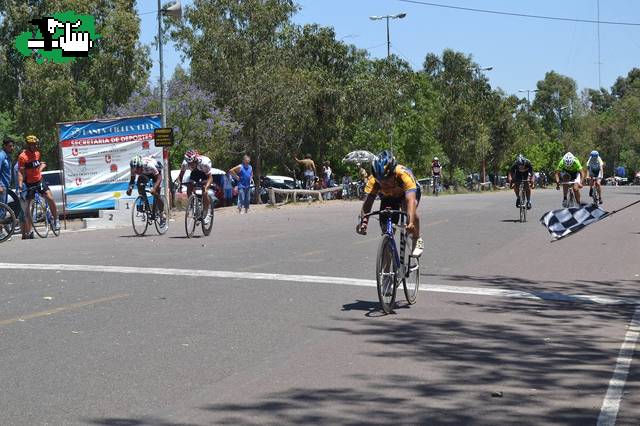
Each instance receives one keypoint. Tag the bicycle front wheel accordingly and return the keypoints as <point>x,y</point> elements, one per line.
<point>206,229</point>
<point>386,274</point>
<point>190,219</point>
<point>162,216</point>
<point>38,214</point>
<point>139,217</point>
<point>411,280</point>
<point>7,222</point>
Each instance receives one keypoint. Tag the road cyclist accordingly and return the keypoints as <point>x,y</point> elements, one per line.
<point>436,173</point>
<point>30,169</point>
<point>595,167</point>
<point>200,175</point>
<point>521,171</point>
<point>148,169</point>
<point>569,173</point>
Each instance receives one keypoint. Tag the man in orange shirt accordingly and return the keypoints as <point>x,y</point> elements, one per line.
<point>31,169</point>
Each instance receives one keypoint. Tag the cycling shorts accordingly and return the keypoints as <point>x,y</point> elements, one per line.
<point>396,203</point>
<point>570,177</point>
<point>39,187</point>
<point>595,173</point>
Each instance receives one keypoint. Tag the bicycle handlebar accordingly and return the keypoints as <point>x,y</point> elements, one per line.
<point>385,211</point>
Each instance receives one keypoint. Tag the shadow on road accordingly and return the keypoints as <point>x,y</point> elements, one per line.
<point>143,421</point>
<point>371,308</point>
<point>543,369</point>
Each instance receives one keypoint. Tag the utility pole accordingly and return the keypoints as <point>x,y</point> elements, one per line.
<point>387,17</point>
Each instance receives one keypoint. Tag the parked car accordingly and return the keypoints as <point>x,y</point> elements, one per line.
<point>53,179</point>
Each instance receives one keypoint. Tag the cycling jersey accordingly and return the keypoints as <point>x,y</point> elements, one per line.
<point>30,161</point>
<point>519,175</point>
<point>403,181</point>
<point>574,168</point>
<point>436,168</point>
<point>150,167</point>
<point>203,165</point>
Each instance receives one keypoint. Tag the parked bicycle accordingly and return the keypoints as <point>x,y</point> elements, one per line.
<point>42,219</point>
<point>393,266</point>
<point>195,215</point>
<point>144,214</point>
<point>7,222</point>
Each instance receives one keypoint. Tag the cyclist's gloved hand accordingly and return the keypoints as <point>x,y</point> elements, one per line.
<point>129,190</point>
<point>361,228</point>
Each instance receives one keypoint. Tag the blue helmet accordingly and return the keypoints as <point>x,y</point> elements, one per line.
<point>595,154</point>
<point>383,165</point>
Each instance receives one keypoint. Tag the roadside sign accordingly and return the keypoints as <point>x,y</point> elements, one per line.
<point>163,136</point>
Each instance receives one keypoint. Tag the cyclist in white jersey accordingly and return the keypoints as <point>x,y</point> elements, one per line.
<point>200,167</point>
<point>146,169</point>
<point>595,167</point>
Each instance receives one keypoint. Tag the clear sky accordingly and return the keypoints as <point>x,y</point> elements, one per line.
<point>520,50</point>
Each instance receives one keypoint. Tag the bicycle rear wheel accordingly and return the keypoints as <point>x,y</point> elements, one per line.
<point>190,219</point>
<point>206,229</point>
<point>386,274</point>
<point>38,214</point>
<point>162,217</point>
<point>7,222</point>
<point>139,217</point>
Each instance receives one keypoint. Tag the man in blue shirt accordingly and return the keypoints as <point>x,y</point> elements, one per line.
<point>5,168</point>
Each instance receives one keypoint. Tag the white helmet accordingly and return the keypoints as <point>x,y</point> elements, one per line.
<point>568,159</point>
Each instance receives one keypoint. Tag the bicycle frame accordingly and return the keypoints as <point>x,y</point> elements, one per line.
<point>398,257</point>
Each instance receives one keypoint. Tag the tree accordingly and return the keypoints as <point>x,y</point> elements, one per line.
<point>555,102</point>
<point>463,89</point>
<point>193,113</point>
<point>40,95</point>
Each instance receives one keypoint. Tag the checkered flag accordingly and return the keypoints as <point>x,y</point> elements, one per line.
<point>563,222</point>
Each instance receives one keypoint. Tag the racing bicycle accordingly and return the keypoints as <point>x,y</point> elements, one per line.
<point>7,222</point>
<point>436,185</point>
<point>41,217</point>
<point>144,214</point>
<point>571,196</point>
<point>195,214</point>
<point>522,195</point>
<point>394,266</point>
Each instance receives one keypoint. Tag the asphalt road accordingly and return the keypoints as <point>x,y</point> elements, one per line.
<point>280,324</point>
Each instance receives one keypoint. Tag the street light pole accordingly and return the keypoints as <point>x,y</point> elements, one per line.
<point>528,96</point>
<point>387,18</point>
<point>165,153</point>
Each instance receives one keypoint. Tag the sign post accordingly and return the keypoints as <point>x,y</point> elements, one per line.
<point>163,137</point>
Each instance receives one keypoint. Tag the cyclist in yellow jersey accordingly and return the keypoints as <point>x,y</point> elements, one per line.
<point>398,189</point>
<point>570,169</point>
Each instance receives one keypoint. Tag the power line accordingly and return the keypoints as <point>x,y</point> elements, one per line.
<point>522,15</point>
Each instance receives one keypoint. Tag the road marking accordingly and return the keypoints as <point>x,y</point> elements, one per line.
<point>61,309</point>
<point>477,291</point>
<point>611,403</point>
<point>437,222</point>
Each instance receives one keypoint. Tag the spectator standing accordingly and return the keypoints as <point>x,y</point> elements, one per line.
<point>244,174</point>
<point>5,168</point>
<point>309,172</point>
<point>5,174</point>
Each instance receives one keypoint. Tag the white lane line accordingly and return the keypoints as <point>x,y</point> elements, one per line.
<point>478,291</point>
<point>611,403</point>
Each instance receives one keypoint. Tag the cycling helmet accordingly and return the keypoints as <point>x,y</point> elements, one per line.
<point>191,156</point>
<point>383,165</point>
<point>435,159</point>
<point>31,139</point>
<point>521,160</point>
<point>136,161</point>
<point>568,159</point>
<point>595,154</point>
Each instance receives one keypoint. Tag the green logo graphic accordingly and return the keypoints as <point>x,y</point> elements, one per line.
<point>60,38</point>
